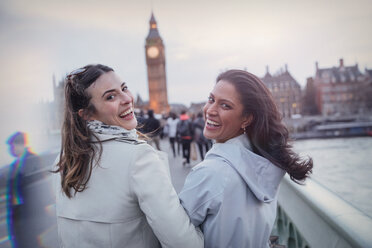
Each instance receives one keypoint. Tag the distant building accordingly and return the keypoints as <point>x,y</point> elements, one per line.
<point>309,106</point>
<point>339,90</point>
<point>368,74</point>
<point>367,91</point>
<point>57,106</point>
<point>196,108</point>
<point>285,90</point>
<point>155,60</point>
<point>177,108</point>
<point>141,104</point>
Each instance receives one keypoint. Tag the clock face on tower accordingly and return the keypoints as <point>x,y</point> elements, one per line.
<point>153,52</point>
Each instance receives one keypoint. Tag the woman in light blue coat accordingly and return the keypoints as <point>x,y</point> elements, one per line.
<point>232,194</point>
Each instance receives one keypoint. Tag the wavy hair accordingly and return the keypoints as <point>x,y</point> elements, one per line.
<point>268,135</point>
<point>77,150</point>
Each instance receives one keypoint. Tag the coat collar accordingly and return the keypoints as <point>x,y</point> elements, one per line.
<point>260,175</point>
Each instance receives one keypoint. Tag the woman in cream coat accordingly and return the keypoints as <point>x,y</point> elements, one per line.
<point>113,190</point>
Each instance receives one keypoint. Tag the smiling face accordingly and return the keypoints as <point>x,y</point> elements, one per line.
<point>224,113</point>
<point>113,102</point>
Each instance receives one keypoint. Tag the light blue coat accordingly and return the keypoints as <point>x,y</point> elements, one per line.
<point>232,195</point>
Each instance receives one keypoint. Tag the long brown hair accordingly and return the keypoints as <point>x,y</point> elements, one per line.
<point>267,134</point>
<point>77,150</point>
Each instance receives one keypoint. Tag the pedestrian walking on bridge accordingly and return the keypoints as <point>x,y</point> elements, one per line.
<point>185,134</point>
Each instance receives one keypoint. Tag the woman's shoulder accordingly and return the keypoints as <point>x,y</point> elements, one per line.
<point>146,153</point>
<point>216,165</point>
<point>146,149</point>
<point>137,157</point>
<point>213,171</point>
<point>205,186</point>
<point>123,142</point>
<point>127,149</point>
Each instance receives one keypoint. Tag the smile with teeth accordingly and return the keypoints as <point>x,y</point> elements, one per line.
<point>212,123</point>
<point>126,112</point>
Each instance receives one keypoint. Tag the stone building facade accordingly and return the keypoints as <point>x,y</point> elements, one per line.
<point>286,92</point>
<point>339,90</point>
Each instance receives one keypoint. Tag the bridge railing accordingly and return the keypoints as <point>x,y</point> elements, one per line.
<point>308,215</point>
<point>312,216</point>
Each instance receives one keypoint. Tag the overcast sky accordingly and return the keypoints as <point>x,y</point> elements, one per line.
<point>41,38</point>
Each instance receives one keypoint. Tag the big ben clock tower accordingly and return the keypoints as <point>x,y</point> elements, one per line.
<point>155,60</point>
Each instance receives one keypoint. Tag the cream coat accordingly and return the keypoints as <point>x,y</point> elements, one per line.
<point>129,202</point>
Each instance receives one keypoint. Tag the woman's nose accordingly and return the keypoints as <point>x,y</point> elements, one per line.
<point>126,98</point>
<point>210,109</point>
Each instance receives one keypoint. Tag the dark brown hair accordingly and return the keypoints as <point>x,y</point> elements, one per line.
<point>267,134</point>
<point>77,150</point>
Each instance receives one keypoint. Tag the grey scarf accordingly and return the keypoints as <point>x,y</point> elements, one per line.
<point>107,132</point>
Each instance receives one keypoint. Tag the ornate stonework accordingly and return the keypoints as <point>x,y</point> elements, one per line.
<point>155,60</point>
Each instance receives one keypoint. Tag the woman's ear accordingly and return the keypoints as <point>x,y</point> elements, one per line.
<point>247,121</point>
<point>83,114</point>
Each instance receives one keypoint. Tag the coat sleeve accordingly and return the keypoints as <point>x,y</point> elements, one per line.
<point>151,184</point>
<point>202,193</point>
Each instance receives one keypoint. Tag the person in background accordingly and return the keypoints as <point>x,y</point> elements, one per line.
<point>163,127</point>
<point>172,122</point>
<point>112,188</point>
<point>232,194</point>
<point>152,128</point>
<point>140,121</point>
<point>185,133</point>
<point>20,201</point>
<point>203,143</point>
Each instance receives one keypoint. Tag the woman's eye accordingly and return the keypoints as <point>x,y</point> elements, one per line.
<point>110,97</point>
<point>210,99</point>
<point>125,88</point>
<point>224,105</point>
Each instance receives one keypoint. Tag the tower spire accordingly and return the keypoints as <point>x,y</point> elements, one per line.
<point>153,32</point>
<point>152,20</point>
